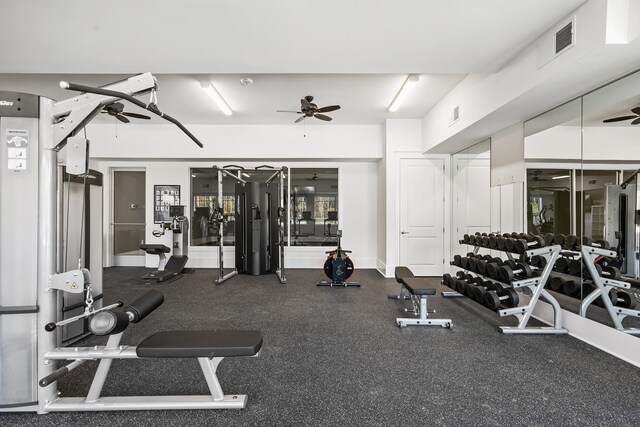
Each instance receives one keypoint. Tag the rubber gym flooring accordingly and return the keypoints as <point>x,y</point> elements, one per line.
<point>334,357</point>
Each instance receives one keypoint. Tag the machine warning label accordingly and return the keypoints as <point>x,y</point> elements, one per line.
<point>17,144</point>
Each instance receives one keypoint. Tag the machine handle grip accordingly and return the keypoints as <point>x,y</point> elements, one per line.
<point>144,305</point>
<point>54,376</point>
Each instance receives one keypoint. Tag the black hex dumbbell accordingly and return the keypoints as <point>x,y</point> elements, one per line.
<point>623,299</point>
<point>556,283</point>
<point>461,284</point>
<point>608,272</point>
<point>571,288</point>
<point>530,242</point>
<point>570,241</point>
<point>588,241</point>
<point>507,274</point>
<point>479,291</point>
<point>493,268</point>
<point>507,296</point>
<point>481,265</point>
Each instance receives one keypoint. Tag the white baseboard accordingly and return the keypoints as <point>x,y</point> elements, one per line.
<point>603,337</point>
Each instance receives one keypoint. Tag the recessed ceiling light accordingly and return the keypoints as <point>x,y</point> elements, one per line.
<point>246,81</point>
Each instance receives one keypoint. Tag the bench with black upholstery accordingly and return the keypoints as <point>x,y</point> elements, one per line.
<point>209,347</point>
<point>418,289</point>
<point>155,249</point>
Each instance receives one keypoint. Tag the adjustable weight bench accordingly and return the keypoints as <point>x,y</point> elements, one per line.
<point>209,347</point>
<point>417,290</point>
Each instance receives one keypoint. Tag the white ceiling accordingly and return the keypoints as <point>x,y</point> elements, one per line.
<point>355,53</point>
<point>258,36</point>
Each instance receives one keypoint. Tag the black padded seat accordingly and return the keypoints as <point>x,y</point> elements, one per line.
<point>415,285</point>
<point>201,344</point>
<point>401,273</point>
<point>155,249</point>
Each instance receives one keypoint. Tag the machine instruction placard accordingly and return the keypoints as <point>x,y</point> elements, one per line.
<point>17,143</point>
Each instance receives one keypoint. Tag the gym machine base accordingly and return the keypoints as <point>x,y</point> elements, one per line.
<point>536,287</point>
<point>418,295</point>
<point>603,287</point>
<point>203,345</point>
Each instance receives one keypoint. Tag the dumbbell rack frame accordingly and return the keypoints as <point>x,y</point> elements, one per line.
<point>603,287</point>
<point>536,286</point>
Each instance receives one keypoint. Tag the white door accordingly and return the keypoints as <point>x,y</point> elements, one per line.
<point>422,216</point>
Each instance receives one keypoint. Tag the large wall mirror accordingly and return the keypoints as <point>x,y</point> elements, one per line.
<point>472,206</point>
<point>582,160</point>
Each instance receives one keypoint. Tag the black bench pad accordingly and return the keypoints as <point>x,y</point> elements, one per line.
<point>401,273</point>
<point>201,344</point>
<point>155,249</point>
<point>416,285</point>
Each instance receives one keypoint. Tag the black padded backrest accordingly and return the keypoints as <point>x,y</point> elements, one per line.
<point>402,273</point>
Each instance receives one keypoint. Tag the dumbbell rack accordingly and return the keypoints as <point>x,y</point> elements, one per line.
<point>536,286</point>
<point>603,287</point>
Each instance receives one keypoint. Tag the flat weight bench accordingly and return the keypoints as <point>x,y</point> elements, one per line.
<point>209,347</point>
<point>417,290</point>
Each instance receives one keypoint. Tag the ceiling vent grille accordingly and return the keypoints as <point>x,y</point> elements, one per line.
<point>557,41</point>
<point>564,37</point>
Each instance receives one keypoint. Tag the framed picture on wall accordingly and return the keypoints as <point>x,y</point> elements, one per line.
<point>163,197</point>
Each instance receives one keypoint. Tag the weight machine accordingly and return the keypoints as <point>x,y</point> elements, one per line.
<point>42,136</point>
<point>259,223</point>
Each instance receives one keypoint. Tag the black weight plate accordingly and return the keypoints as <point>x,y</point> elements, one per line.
<point>505,274</point>
<point>492,300</point>
<point>612,272</point>
<point>512,297</point>
<point>446,279</point>
<point>456,260</point>
<point>471,264</point>
<point>481,267</point>
<point>492,270</point>
<point>575,267</point>
<point>521,245</point>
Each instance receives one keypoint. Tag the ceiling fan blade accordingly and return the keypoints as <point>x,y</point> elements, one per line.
<point>288,111</point>
<point>136,116</point>
<point>329,108</point>
<point>636,121</point>
<point>636,110</point>
<point>618,119</point>
<point>305,104</point>
<point>299,119</point>
<point>122,118</point>
<point>322,117</point>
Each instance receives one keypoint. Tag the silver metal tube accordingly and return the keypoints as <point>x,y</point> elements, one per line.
<point>272,177</point>
<point>220,229</point>
<point>103,370</point>
<point>237,178</point>
<point>47,246</point>
<point>209,367</point>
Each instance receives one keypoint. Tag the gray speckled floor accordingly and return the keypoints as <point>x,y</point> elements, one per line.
<point>333,356</point>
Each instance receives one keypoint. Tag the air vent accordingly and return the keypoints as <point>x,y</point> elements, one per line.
<point>455,115</point>
<point>557,41</point>
<point>564,37</point>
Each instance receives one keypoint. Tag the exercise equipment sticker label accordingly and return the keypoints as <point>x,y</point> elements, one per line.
<point>17,143</point>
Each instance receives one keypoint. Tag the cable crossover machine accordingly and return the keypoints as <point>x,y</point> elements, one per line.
<point>259,222</point>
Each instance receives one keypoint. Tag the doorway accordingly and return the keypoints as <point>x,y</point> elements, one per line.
<point>128,217</point>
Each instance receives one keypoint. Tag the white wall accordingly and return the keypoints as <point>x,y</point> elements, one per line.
<point>558,142</point>
<point>236,142</point>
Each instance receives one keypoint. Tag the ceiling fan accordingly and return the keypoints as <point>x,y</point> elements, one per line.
<point>313,178</point>
<point>636,116</point>
<point>309,109</point>
<point>116,110</point>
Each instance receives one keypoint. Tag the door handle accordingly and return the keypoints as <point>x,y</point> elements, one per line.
<point>404,232</point>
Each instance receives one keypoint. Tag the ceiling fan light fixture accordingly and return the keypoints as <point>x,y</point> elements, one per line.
<point>217,98</point>
<point>405,90</point>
